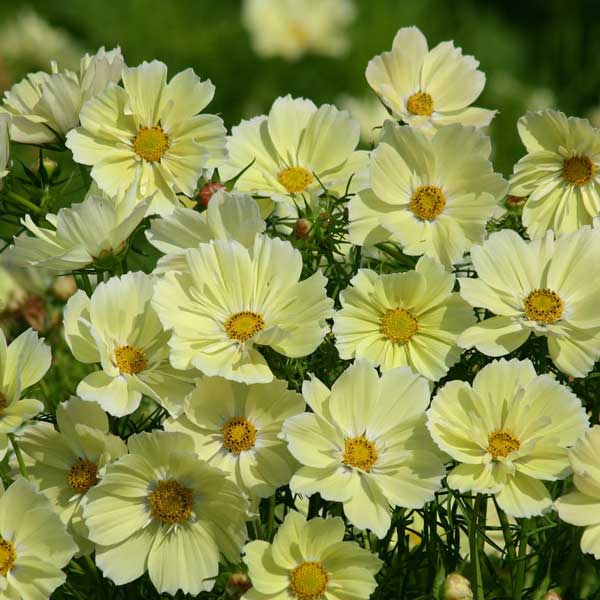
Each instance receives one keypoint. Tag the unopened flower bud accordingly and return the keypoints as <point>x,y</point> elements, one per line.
<point>515,201</point>
<point>301,229</point>
<point>237,585</point>
<point>457,587</point>
<point>50,165</point>
<point>208,190</point>
<point>552,595</point>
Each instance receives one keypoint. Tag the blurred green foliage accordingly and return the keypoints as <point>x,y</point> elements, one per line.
<point>535,53</point>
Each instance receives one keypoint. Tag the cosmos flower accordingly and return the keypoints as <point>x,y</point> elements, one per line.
<point>559,174</point>
<point>149,136</point>
<point>509,432</point>
<point>428,88</point>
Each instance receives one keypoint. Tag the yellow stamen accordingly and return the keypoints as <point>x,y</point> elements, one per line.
<point>578,170</point>
<point>427,202</point>
<point>359,452</point>
<point>398,325</point>
<point>8,555</point>
<point>244,325</point>
<point>171,502</point>
<point>239,435</point>
<point>420,103</point>
<point>295,179</point>
<point>544,306</point>
<point>151,143</point>
<point>308,581</point>
<point>502,443</point>
<point>130,360</point>
<point>83,475</point>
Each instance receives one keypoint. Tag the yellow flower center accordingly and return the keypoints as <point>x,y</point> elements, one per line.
<point>8,555</point>
<point>244,325</point>
<point>151,143</point>
<point>544,306</point>
<point>83,475</point>
<point>239,435</point>
<point>130,360</point>
<point>427,202</point>
<point>578,170</point>
<point>171,502</point>
<point>420,103</point>
<point>295,179</point>
<point>359,452</point>
<point>398,325</point>
<point>308,581</point>
<point>502,443</point>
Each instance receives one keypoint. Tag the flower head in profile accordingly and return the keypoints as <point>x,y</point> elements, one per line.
<point>293,28</point>
<point>310,559</point>
<point>235,428</point>
<point>22,364</point>
<point>582,506</point>
<point>509,432</point>
<point>560,174</point>
<point>541,287</point>
<point>403,319</point>
<point>295,152</point>
<point>34,546</point>
<point>230,298</point>
<point>67,463</point>
<point>162,510</point>
<point>79,235</point>
<point>44,107</point>
<point>149,136</point>
<point>433,195</point>
<point>118,328</point>
<point>366,445</point>
<point>428,88</point>
<point>227,217</point>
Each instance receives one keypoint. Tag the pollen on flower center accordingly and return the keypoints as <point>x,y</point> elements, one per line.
<point>239,435</point>
<point>8,555</point>
<point>502,443</point>
<point>544,306</point>
<point>359,452</point>
<point>295,179</point>
<point>398,325</point>
<point>427,202</point>
<point>244,325</point>
<point>130,360</point>
<point>83,475</point>
<point>421,104</point>
<point>308,581</point>
<point>171,502</point>
<point>578,170</point>
<point>151,143</point>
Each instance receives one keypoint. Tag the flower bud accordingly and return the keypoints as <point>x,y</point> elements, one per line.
<point>457,587</point>
<point>208,190</point>
<point>552,595</point>
<point>238,585</point>
<point>515,201</point>
<point>50,165</point>
<point>64,287</point>
<point>301,229</point>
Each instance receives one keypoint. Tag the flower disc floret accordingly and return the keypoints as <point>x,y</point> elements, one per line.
<point>83,475</point>
<point>502,443</point>
<point>427,202</point>
<point>151,143</point>
<point>244,325</point>
<point>130,360</point>
<point>399,325</point>
<point>308,581</point>
<point>360,453</point>
<point>239,435</point>
<point>8,555</point>
<point>578,170</point>
<point>420,103</point>
<point>544,306</point>
<point>295,179</point>
<point>171,502</point>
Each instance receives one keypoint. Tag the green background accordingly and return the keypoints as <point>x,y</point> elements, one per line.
<point>535,54</point>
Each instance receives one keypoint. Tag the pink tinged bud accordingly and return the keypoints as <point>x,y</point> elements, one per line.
<point>208,190</point>
<point>301,229</point>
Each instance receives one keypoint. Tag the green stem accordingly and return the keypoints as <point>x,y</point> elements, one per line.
<point>24,202</point>
<point>519,580</point>
<point>474,547</point>
<point>510,546</point>
<point>19,455</point>
<point>271,518</point>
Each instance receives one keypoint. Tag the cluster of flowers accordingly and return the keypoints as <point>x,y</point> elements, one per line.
<point>200,334</point>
